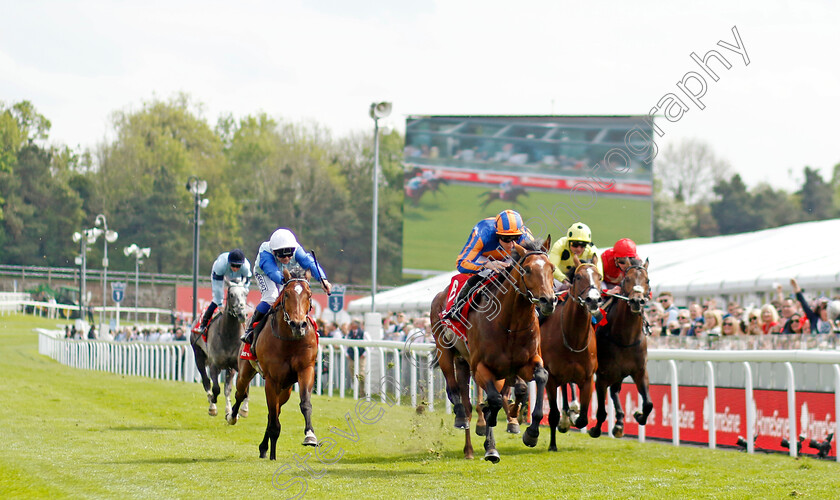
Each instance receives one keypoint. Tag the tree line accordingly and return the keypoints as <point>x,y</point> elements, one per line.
<point>698,194</point>
<point>261,174</point>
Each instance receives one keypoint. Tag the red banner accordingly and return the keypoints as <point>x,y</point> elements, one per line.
<point>815,416</point>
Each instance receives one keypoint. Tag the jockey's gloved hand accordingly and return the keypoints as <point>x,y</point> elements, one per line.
<point>327,286</point>
<point>496,265</point>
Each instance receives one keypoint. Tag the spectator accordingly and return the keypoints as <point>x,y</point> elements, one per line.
<point>684,323</point>
<point>67,334</point>
<point>796,324</point>
<point>769,319</point>
<point>734,310</point>
<point>179,335</point>
<point>818,318</point>
<point>92,333</point>
<point>713,319</point>
<point>655,315</point>
<point>695,311</point>
<point>671,311</point>
<point>753,325</point>
<point>356,333</point>
<point>731,326</point>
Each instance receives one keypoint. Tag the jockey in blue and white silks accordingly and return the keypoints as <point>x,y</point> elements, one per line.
<point>231,265</point>
<point>281,251</point>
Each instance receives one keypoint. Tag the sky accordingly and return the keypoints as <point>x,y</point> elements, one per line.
<point>327,60</point>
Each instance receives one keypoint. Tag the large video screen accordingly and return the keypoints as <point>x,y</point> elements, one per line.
<point>554,170</point>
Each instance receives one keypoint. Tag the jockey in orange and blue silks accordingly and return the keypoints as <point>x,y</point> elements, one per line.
<point>491,242</point>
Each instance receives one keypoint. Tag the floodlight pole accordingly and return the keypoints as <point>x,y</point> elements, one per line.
<point>197,187</point>
<point>375,212</point>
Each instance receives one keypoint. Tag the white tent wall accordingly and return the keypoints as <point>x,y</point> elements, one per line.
<point>741,267</point>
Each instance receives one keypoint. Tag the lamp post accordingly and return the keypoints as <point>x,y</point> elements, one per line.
<point>197,187</point>
<point>377,110</point>
<point>85,237</point>
<point>110,237</point>
<point>138,253</point>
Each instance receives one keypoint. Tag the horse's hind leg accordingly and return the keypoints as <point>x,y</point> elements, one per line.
<point>306,380</point>
<point>553,411</point>
<point>615,392</point>
<point>565,423</point>
<point>536,372</point>
<point>520,396</point>
<point>213,397</point>
<point>641,380</point>
<point>201,366</point>
<point>510,409</point>
<point>463,377</point>
<point>228,383</point>
<point>246,373</point>
<point>585,397</point>
<point>274,400</point>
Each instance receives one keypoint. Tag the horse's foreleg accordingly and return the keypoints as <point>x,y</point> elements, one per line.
<point>553,411</point>
<point>585,397</point>
<point>536,372</point>
<point>228,384</point>
<point>272,427</point>
<point>213,397</point>
<point>484,378</point>
<point>306,380</point>
<point>601,413</point>
<point>246,373</point>
<point>480,422</point>
<point>201,365</point>
<point>448,367</point>
<point>615,391</point>
<point>641,380</point>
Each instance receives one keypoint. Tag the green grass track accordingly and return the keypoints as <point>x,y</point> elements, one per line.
<point>68,433</point>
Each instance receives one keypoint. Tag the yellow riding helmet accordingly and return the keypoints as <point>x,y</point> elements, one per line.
<point>579,232</point>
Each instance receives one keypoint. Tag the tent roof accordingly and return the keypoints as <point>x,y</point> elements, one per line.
<point>737,263</point>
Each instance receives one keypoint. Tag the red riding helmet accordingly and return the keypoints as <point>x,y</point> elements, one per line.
<point>624,248</point>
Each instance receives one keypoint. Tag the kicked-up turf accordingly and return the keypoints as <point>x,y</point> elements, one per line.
<point>73,433</point>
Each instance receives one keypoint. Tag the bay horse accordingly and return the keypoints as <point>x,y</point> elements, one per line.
<point>286,353</point>
<point>567,340</point>
<point>221,350</point>
<point>622,349</point>
<point>510,195</point>
<point>503,337</point>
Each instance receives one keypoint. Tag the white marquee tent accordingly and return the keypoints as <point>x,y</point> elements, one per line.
<point>743,267</point>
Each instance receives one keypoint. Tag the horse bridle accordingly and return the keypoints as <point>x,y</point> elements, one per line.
<point>578,298</point>
<point>636,288</point>
<point>286,317</point>
<point>527,293</point>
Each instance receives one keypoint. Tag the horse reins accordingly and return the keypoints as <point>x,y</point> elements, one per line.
<point>527,293</point>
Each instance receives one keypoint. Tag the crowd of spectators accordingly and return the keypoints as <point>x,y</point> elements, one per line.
<point>793,314</point>
<point>129,334</point>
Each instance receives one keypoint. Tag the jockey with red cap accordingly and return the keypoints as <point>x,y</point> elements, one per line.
<point>616,260</point>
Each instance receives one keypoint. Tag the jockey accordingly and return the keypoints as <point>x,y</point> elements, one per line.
<point>231,265</point>
<point>413,185</point>
<point>488,248</point>
<point>616,260</point>
<point>577,241</point>
<point>281,251</point>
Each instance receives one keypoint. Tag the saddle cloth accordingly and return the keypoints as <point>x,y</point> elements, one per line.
<point>454,320</point>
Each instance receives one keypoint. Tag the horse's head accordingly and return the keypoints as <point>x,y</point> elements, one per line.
<point>636,285</point>
<point>237,301</point>
<point>296,301</point>
<point>533,274</point>
<point>586,284</point>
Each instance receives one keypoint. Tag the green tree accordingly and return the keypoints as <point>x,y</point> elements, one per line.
<point>672,218</point>
<point>734,211</point>
<point>816,197</point>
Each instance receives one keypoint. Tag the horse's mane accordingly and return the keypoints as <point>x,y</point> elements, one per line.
<point>297,272</point>
<point>636,262</point>
<point>533,245</point>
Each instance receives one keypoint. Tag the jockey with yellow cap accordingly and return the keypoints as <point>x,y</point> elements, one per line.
<point>577,241</point>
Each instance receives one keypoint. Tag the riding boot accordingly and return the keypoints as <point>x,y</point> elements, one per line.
<point>249,331</point>
<point>205,321</point>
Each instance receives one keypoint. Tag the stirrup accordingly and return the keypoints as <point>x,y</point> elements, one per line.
<point>247,337</point>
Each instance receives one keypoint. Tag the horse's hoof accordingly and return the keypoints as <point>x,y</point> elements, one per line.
<point>310,439</point>
<point>263,454</point>
<point>595,432</point>
<point>618,431</point>
<point>212,412</point>
<point>580,423</point>
<point>461,423</point>
<point>552,448</point>
<point>480,430</point>
<point>513,428</point>
<point>230,419</point>
<point>564,425</point>
<point>640,417</point>
<point>530,437</point>
<point>492,456</point>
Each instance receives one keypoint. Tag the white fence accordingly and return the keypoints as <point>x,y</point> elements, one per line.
<point>408,366</point>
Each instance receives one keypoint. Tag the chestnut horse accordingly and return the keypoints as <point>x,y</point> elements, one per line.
<point>503,335</point>
<point>567,338</point>
<point>286,352</point>
<point>622,349</point>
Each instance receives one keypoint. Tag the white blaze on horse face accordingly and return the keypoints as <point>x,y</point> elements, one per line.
<point>593,293</point>
<point>639,289</point>
<point>298,289</point>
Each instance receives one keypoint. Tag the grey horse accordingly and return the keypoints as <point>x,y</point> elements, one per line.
<point>221,351</point>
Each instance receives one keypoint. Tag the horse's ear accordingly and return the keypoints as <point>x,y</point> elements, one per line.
<point>286,274</point>
<point>519,250</point>
<point>576,260</point>
<point>547,244</point>
<point>595,259</point>
<point>308,274</point>
<point>647,261</point>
